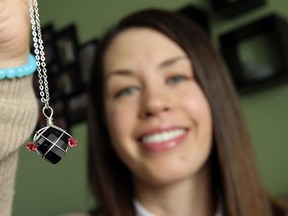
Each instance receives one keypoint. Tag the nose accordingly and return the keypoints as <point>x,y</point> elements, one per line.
<point>154,103</point>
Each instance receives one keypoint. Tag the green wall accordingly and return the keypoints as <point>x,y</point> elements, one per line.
<point>48,190</point>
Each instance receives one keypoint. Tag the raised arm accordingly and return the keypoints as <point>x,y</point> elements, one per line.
<point>18,105</point>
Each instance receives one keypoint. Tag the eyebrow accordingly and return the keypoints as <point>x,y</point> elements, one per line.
<point>164,64</point>
<point>172,61</point>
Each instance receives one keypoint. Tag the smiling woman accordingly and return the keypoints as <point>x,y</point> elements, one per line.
<point>166,134</point>
<point>170,138</point>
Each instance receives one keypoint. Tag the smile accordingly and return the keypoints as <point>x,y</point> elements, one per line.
<point>164,140</point>
<point>164,136</point>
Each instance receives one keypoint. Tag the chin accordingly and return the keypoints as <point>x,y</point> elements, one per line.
<point>165,177</point>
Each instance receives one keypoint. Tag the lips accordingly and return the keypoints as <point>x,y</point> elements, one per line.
<point>163,139</point>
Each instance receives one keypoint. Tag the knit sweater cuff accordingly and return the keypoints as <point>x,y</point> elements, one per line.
<point>18,113</point>
<point>7,175</point>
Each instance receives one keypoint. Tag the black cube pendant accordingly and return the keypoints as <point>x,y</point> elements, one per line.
<point>52,143</point>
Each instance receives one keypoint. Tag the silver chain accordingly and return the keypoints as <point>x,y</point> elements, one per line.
<point>39,54</point>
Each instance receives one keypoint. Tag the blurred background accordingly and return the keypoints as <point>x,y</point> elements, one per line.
<point>252,36</point>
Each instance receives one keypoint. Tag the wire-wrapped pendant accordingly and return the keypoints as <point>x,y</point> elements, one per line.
<point>51,142</point>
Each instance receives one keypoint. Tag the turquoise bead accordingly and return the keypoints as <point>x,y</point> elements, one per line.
<point>2,74</point>
<point>10,73</point>
<point>19,71</point>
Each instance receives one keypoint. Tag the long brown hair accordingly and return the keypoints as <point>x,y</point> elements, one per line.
<point>233,165</point>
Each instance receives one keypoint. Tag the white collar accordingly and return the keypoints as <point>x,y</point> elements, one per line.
<point>141,211</point>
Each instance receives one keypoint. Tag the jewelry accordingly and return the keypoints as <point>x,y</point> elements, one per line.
<point>50,142</point>
<point>21,71</point>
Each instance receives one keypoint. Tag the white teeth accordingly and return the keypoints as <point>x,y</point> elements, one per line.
<point>163,136</point>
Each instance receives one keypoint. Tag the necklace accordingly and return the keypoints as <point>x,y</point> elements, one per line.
<point>50,142</point>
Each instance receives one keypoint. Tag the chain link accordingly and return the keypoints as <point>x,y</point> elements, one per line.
<point>39,52</point>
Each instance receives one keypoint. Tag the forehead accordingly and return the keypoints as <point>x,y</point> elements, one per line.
<point>139,47</point>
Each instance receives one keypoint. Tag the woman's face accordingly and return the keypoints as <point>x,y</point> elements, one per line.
<point>157,115</point>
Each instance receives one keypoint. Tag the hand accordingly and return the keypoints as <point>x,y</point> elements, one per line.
<point>14,32</point>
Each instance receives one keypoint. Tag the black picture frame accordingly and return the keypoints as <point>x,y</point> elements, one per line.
<point>61,121</point>
<point>67,46</point>
<point>55,93</point>
<point>233,8</point>
<point>77,108</point>
<point>86,54</point>
<point>198,15</point>
<point>273,32</point>
<point>68,82</point>
<point>59,107</point>
<point>50,49</point>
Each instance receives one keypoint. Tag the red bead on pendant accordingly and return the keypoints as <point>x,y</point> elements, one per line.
<point>31,146</point>
<point>72,142</point>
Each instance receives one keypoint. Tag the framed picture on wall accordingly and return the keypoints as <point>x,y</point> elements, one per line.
<point>69,82</point>
<point>233,8</point>
<point>61,121</point>
<point>59,107</point>
<point>257,53</point>
<point>199,16</point>
<point>86,55</point>
<point>67,46</point>
<point>49,42</point>
<point>77,108</point>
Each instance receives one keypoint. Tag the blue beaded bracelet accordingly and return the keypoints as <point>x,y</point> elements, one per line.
<point>20,71</point>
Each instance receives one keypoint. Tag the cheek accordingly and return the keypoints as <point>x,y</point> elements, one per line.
<point>198,111</point>
<point>195,102</point>
<point>119,121</point>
